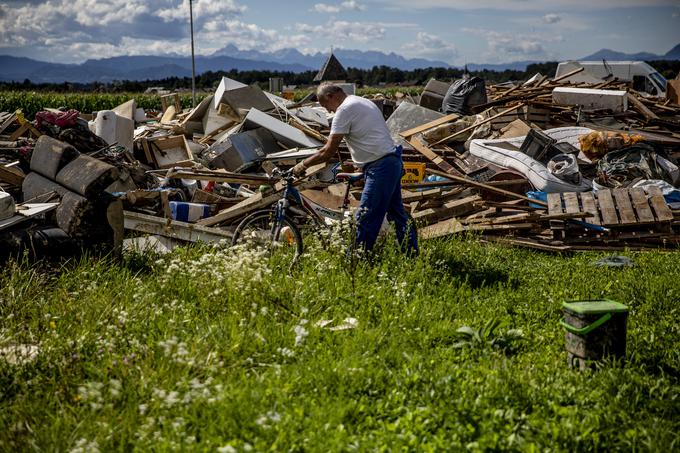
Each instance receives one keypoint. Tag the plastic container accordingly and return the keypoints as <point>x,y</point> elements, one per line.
<point>595,329</point>
<point>114,129</point>
<point>188,212</point>
<point>415,172</point>
<point>536,145</point>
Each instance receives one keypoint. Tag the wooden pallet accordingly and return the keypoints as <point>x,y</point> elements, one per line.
<point>615,208</point>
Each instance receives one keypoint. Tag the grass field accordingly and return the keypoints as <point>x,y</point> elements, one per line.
<point>213,350</point>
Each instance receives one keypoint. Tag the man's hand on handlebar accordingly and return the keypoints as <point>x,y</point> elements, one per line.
<point>299,169</point>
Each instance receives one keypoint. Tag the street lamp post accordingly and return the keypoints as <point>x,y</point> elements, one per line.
<point>193,61</point>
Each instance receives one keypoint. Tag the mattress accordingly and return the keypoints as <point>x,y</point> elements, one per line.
<point>497,152</point>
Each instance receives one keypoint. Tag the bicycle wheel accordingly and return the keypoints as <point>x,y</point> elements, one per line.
<point>261,229</point>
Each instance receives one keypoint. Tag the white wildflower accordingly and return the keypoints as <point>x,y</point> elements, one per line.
<point>285,352</point>
<point>83,446</point>
<point>300,334</point>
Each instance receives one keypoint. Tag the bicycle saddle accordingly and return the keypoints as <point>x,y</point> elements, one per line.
<point>351,177</point>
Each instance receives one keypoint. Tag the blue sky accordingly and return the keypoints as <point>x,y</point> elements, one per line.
<point>454,31</point>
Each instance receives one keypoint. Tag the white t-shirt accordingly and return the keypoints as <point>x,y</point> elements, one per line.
<point>366,133</point>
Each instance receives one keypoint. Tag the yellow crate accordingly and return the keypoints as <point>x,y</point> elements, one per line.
<point>415,172</point>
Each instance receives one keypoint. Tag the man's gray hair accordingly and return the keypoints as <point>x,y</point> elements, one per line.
<point>327,88</point>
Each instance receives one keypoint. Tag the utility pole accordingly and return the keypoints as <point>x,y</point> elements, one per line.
<point>193,60</point>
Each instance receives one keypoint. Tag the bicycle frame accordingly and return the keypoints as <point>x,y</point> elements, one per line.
<point>292,199</point>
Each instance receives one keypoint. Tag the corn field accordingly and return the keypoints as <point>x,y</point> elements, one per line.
<point>31,102</point>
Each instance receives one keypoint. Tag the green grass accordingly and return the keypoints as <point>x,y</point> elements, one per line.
<point>206,350</point>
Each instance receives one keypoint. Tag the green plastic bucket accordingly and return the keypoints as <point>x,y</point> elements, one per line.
<point>594,329</point>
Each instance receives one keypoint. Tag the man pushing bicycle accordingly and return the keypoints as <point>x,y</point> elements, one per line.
<point>361,124</point>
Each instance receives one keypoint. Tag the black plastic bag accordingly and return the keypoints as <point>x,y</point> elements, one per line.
<point>463,94</point>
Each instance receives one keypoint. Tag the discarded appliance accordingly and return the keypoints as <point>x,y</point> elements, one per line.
<point>590,99</point>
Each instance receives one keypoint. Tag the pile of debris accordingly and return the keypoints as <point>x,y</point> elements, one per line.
<point>546,164</point>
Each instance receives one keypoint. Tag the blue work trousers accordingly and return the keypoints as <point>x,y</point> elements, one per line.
<point>382,195</point>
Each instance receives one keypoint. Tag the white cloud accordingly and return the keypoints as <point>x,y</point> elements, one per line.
<point>216,34</point>
<point>551,18</point>
<point>324,8</point>
<point>201,8</point>
<point>352,5</point>
<point>523,5</point>
<point>69,29</point>
<point>348,5</point>
<point>512,44</point>
<point>431,46</point>
<point>342,31</point>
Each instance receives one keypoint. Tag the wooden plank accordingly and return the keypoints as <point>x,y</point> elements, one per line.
<point>11,175</point>
<point>474,126</point>
<point>183,231</point>
<point>607,208</point>
<point>503,227</point>
<point>640,107</point>
<point>409,197</point>
<point>521,217</point>
<point>661,210</point>
<point>473,183</point>
<point>424,127</point>
<point>641,205</point>
<point>259,201</point>
<point>25,211</point>
<point>590,206</point>
<point>624,206</point>
<point>571,202</point>
<point>421,146</point>
<point>9,120</point>
<point>221,176</point>
<point>568,74</point>
<point>555,203</point>
<point>19,132</point>
<point>529,243</point>
<point>439,229</point>
<point>455,208</point>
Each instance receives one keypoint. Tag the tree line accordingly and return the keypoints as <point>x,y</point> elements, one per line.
<point>375,77</point>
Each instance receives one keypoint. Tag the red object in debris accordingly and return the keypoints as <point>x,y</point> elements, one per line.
<point>210,186</point>
<point>61,119</point>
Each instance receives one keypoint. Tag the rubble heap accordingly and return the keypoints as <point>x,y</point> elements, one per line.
<point>545,164</point>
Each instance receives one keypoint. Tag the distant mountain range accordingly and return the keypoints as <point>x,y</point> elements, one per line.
<point>348,58</point>
<point>673,54</point>
<point>127,68</point>
<point>230,57</point>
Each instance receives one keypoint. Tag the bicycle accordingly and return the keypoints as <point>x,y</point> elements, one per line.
<point>279,228</point>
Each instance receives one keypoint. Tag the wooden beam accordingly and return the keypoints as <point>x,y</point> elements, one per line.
<point>11,175</point>
<point>568,74</point>
<point>5,124</point>
<point>424,127</point>
<point>189,232</point>
<point>471,182</point>
<point>259,200</point>
<point>421,146</point>
<point>221,176</point>
<point>474,126</point>
<point>640,107</point>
